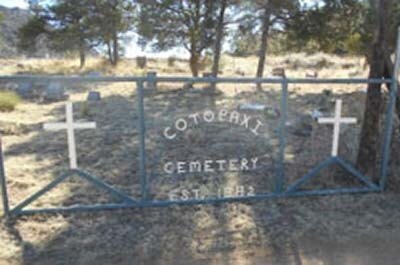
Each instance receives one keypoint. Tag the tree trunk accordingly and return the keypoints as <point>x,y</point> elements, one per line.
<point>388,72</point>
<point>194,63</point>
<point>369,142</point>
<point>82,57</point>
<point>218,41</point>
<point>370,133</point>
<point>264,44</point>
<point>110,55</point>
<point>115,48</point>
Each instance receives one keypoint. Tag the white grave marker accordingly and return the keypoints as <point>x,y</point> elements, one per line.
<point>336,121</point>
<point>70,126</point>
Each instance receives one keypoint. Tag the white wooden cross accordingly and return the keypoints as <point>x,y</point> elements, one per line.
<point>70,126</point>
<point>336,121</point>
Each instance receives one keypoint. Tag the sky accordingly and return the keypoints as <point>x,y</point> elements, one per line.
<point>14,3</point>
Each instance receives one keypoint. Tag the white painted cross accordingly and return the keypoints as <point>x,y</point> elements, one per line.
<point>336,121</point>
<point>70,126</point>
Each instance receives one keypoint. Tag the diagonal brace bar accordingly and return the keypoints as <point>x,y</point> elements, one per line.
<point>356,173</point>
<point>101,184</point>
<point>39,193</point>
<point>310,174</point>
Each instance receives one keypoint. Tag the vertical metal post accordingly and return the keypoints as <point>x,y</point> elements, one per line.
<point>3,182</point>
<point>142,138</point>
<point>280,174</point>
<point>389,117</point>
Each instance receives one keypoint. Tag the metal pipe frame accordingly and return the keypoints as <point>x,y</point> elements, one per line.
<point>293,190</point>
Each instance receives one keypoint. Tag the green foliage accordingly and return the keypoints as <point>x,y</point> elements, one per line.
<point>168,24</point>
<point>29,32</point>
<point>340,26</point>
<point>8,100</point>
<point>353,43</point>
<point>247,38</point>
<point>111,19</point>
<point>77,25</point>
<point>171,61</point>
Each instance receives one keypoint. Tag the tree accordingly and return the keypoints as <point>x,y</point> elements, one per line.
<point>29,32</point>
<point>265,18</point>
<point>380,64</point>
<point>273,12</point>
<point>336,26</point>
<point>113,18</point>
<point>259,18</point>
<point>187,23</point>
<point>78,25</point>
<point>219,36</point>
<point>68,25</point>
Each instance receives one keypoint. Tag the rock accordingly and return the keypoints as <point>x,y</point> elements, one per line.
<point>252,106</point>
<point>315,114</point>
<point>301,127</point>
<point>311,74</point>
<point>188,85</point>
<point>240,72</point>
<point>348,65</point>
<point>209,91</point>
<point>54,92</point>
<point>278,71</point>
<point>94,96</point>
<point>25,90</point>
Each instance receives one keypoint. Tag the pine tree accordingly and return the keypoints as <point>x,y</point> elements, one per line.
<point>189,23</point>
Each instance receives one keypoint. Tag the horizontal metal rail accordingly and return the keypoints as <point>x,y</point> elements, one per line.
<point>242,80</point>
<point>167,203</point>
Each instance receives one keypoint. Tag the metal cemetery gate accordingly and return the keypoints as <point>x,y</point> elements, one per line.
<point>281,188</point>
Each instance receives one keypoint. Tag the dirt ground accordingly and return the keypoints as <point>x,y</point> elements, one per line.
<point>336,230</point>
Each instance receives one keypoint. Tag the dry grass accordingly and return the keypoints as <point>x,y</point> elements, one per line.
<point>295,65</point>
<point>263,232</point>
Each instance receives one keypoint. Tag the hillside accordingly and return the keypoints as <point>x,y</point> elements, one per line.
<point>13,19</point>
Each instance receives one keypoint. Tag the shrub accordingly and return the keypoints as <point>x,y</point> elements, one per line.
<point>171,61</point>
<point>8,100</point>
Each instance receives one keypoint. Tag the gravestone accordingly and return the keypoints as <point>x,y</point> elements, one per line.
<point>278,71</point>
<point>94,74</point>
<point>141,61</point>
<point>151,84</point>
<point>94,96</point>
<point>54,92</point>
<point>240,72</point>
<point>25,90</point>
<point>171,61</point>
<point>10,86</point>
<point>188,85</point>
